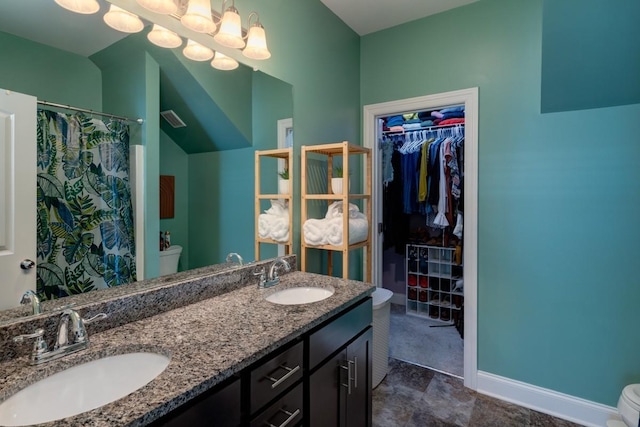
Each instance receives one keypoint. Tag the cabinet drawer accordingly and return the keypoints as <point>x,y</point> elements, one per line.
<point>338,332</point>
<point>275,375</point>
<point>286,411</point>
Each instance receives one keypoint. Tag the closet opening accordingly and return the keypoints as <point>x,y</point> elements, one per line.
<point>422,234</point>
<point>423,251</point>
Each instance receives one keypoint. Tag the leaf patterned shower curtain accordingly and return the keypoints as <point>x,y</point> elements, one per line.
<point>85,218</point>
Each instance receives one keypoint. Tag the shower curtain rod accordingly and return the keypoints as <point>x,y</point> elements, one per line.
<point>84,110</point>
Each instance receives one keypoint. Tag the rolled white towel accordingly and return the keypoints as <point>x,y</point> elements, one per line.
<point>314,231</point>
<point>265,223</point>
<point>280,230</point>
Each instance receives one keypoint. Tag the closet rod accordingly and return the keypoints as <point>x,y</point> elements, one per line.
<point>84,110</point>
<point>425,128</point>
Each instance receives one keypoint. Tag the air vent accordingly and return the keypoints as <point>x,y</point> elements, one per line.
<point>172,118</point>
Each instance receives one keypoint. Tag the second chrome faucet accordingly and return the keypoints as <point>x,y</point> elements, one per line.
<point>271,278</point>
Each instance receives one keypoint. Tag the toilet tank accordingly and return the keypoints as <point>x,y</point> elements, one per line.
<point>169,260</point>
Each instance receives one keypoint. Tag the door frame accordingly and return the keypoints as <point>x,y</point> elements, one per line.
<point>468,97</point>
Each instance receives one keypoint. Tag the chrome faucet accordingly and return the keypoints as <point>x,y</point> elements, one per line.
<point>30,297</point>
<point>236,255</point>
<point>70,321</point>
<point>272,278</point>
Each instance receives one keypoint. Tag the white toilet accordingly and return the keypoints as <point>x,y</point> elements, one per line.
<point>628,407</point>
<point>169,260</point>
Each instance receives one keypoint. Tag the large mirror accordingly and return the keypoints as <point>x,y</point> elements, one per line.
<point>76,60</point>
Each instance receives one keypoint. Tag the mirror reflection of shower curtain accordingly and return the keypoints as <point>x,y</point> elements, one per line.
<point>85,217</point>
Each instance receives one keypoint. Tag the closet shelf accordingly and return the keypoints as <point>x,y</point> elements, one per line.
<point>333,196</point>
<point>400,132</point>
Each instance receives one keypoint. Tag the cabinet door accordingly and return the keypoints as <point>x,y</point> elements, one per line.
<point>220,407</point>
<point>324,392</point>
<point>358,396</point>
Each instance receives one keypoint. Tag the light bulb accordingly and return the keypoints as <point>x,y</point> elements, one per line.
<point>198,17</point>
<point>256,43</point>
<point>164,7</point>
<point>85,7</point>
<point>122,20</point>
<point>223,62</point>
<point>230,34</point>
<point>197,52</point>
<point>162,37</point>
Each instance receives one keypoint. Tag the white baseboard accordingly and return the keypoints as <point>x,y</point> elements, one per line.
<point>550,402</point>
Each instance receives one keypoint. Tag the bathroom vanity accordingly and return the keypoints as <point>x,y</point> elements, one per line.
<point>235,358</point>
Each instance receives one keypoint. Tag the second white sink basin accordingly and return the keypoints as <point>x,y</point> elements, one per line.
<point>300,295</point>
<point>81,388</point>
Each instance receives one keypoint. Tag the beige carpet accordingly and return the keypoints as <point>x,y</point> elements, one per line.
<point>413,340</point>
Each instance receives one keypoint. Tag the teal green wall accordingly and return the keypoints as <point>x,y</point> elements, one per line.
<point>558,194</point>
<point>175,162</point>
<point>49,74</point>
<point>318,55</point>
<point>582,54</point>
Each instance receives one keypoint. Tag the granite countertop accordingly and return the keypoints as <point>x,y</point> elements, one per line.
<point>207,341</point>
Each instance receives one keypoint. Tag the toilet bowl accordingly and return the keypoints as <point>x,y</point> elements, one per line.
<point>169,260</point>
<point>629,405</point>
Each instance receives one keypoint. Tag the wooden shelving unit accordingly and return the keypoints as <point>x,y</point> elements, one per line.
<point>285,154</point>
<point>341,150</point>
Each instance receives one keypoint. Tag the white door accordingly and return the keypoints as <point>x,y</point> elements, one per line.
<point>17,196</point>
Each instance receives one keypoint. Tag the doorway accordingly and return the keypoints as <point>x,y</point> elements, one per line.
<point>468,98</point>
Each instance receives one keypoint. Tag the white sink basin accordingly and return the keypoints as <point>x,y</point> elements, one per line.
<point>81,388</point>
<point>300,295</point>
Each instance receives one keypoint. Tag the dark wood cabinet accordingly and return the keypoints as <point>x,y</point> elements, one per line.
<point>219,406</point>
<point>322,378</point>
<point>340,389</point>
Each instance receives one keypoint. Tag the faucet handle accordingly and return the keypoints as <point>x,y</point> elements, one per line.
<point>79,330</point>
<point>39,346</point>
<point>262,276</point>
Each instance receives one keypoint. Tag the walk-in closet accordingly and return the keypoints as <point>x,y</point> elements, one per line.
<point>422,172</point>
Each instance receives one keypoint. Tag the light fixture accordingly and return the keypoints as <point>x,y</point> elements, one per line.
<point>122,20</point>
<point>197,52</point>
<point>230,33</point>
<point>256,41</point>
<point>85,7</point>
<point>223,62</point>
<point>198,17</point>
<point>164,7</point>
<point>162,37</point>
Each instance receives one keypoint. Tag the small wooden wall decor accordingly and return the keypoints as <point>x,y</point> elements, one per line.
<point>167,195</point>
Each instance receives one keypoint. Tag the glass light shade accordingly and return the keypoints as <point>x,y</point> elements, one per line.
<point>197,52</point>
<point>164,7</point>
<point>230,34</point>
<point>198,17</point>
<point>256,43</point>
<point>223,62</point>
<point>162,37</point>
<point>85,7</point>
<point>122,20</point>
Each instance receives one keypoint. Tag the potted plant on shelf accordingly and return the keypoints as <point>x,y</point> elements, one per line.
<point>283,182</point>
<point>336,180</point>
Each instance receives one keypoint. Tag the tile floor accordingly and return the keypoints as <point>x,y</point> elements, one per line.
<point>414,396</point>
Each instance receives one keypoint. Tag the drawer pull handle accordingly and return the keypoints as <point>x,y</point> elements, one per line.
<point>290,372</point>
<point>348,369</point>
<point>291,417</point>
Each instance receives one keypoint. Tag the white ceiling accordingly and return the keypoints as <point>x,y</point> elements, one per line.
<point>368,16</point>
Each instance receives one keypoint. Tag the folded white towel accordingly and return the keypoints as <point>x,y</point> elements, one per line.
<point>274,223</point>
<point>330,229</point>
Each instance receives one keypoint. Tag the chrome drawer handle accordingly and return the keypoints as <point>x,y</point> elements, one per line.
<point>348,369</point>
<point>291,415</point>
<point>277,382</point>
